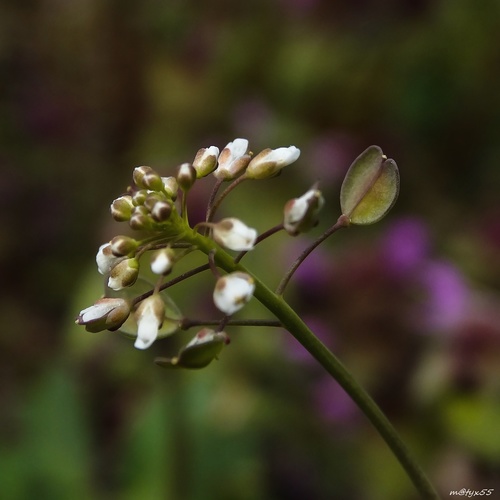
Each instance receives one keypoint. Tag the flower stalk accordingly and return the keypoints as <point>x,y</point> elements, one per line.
<point>292,322</point>
<point>368,192</point>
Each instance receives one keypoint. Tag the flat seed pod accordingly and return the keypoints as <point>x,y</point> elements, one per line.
<point>370,187</point>
<point>196,355</point>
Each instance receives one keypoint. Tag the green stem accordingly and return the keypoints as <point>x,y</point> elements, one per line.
<point>294,324</point>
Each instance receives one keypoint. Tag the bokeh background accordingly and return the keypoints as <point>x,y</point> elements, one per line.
<point>89,89</point>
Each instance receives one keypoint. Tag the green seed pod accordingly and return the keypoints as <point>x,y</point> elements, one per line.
<point>200,352</point>
<point>370,187</point>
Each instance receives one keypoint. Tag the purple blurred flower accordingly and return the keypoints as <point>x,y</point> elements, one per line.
<point>405,246</point>
<point>332,402</point>
<point>315,273</point>
<point>328,157</point>
<point>446,296</point>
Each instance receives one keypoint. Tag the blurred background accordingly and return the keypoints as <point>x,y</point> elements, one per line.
<point>90,89</point>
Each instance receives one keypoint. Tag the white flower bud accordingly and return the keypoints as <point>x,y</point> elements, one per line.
<point>123,274</point>
<point>139,196</point>
<point>186,175</point>
<point>233,291</point>
<point>270,161</point>
<point>105,258</point>
<point>106,314</point>
<point>301,214</point>
<point>146,177</point>
<point>140,218</point>
<point>122,246</point>
<point>233,160</point>
<point>205,161</point>
<point>121,208</point>
<point>233,234</point>
<point>149,317</point>
<point>161,211</point>
<point>170,187</point>
<point>162,261</point>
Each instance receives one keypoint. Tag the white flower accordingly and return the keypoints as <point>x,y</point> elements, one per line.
<point>233,291</point>
<point>149,316</point>
<point>270,161</point>
<point>301,214</point>
<point>205,161</point>
<point>106,314</point>
<point>124,274</point>
<point>162,261</point>
<point>233,234</point>
<point>233,160</point>
<point>105,259</point>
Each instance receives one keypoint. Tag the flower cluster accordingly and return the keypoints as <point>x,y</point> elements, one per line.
<point>156,208</point>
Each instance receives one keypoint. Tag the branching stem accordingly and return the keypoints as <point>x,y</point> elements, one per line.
<point>342,222</point>
<point>296,326</point>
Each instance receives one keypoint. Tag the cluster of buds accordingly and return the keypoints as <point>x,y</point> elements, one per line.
<point>155,207</point>
<point>149,203</point>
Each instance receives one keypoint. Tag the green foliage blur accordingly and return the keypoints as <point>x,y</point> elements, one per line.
<point>411,305</point>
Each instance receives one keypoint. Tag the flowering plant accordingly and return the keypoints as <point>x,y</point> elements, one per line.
<point>156,208</point>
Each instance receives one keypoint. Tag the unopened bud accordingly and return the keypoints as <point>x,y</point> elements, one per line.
<point>233,234</point>
<point>301,214</point>
<point>140,218</point>
<point>149,317</point>
<point>170,187</point>
<point>186,175</point>
<point>151,200</point>
<point>121,246</point>
<point>162,261</point>
<point>121,208</point>
<point>161,211</point>
<point>147,178</point>
<point>205,161</point>
<point>106,314</point>
<point>233,160</point>
<point>269,162</point>
<point>233,291</point>
<point>105,258</point>
<point>123,274</point>
<point>139,197</point>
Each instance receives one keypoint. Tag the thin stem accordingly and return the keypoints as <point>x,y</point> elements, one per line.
<point>211,200</point>
<point>222,323</point>
<point>212,264</point>
<point>188,323</point>
<point>184,212</point>
<point>172,282</point>
<point>213,204</point>
<point>342,222</point>
<point>294,324</point>
<point>260,238</point>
